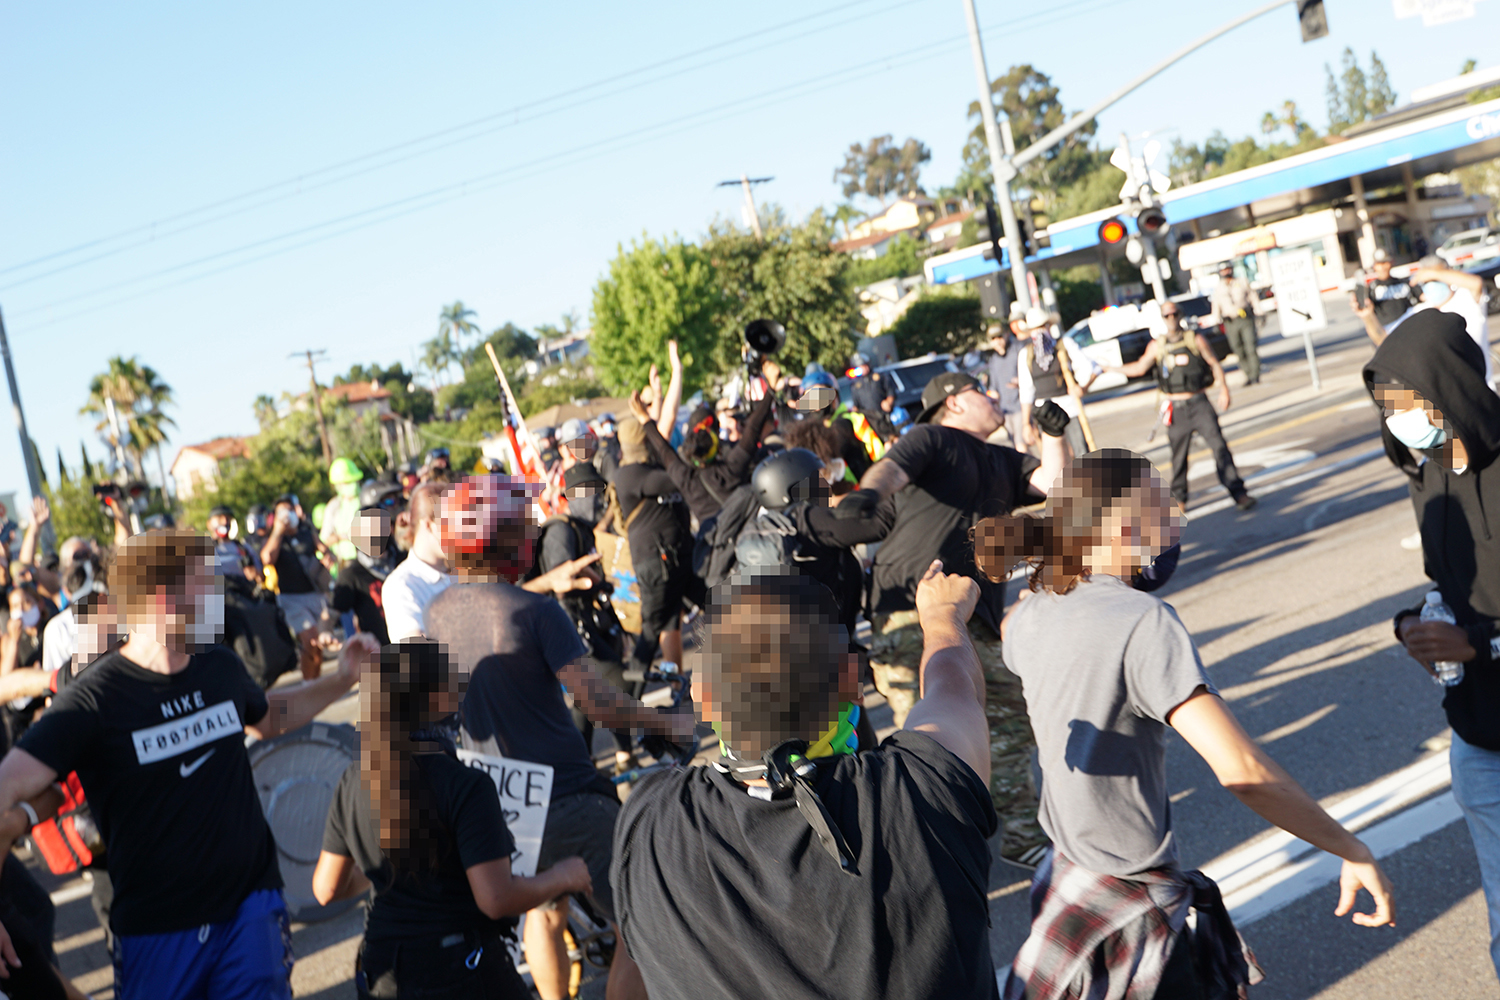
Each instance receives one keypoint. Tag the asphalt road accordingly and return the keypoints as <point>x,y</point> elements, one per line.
<point>1290,605</point>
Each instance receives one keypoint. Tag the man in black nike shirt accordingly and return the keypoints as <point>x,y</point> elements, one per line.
<point>156,733</point>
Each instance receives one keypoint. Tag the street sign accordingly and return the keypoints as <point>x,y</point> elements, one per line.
<point>1299,302</point>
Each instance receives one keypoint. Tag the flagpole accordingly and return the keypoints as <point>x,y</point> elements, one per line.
<point>510,399</point>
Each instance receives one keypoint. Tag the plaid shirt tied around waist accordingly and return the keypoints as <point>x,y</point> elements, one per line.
<point>1099,937</point>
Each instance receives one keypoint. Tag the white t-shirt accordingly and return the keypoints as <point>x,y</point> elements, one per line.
<point>59,639</point>
<point>407,592</point>
<point>1462,305</point>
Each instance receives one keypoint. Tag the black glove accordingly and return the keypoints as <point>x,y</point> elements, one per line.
<point>1050,418</point>
<point>860,503</point>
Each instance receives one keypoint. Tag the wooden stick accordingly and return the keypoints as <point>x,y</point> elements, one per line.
<point>1072,383</point>
<point>511,403</point>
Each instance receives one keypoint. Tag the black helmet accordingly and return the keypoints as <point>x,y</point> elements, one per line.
<point>783,478</point>
<point>379,493</point>
<point>221,511</point>
<point>437,453</point>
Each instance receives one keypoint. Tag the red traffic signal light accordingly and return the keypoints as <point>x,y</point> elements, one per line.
<point>1151,221</point>
<point>1112,231</point>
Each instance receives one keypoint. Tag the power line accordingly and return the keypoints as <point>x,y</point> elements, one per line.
<point>515,110</point>
<point>474,185</point>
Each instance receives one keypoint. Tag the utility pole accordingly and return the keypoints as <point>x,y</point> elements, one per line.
<point>28,453</point>
<point>312,374</point>
<point>1310,15</point>
<point>1142,196</point>
<point>752,215</point>
<point>999,163</point>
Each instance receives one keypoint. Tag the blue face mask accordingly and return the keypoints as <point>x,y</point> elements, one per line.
<point>1415,429</point>
<point>1436,291</point>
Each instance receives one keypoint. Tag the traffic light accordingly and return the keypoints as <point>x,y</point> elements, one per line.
<point>992,297</point>
<point>1313,19</point>
<point>1112,232</point>
<point>991,232</point>
<point>1150,221</point>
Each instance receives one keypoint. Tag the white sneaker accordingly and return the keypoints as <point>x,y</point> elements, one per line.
<point>1412,542</point>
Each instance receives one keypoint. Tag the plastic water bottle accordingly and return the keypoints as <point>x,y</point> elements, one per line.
<point>1449,672</point>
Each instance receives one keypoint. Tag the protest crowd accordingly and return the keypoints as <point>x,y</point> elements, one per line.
<point>757,567</point>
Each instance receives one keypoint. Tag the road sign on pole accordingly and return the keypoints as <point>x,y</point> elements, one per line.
<point>1299,301</point>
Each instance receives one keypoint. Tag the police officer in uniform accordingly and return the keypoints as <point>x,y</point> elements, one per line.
<point>1185,370</point>
<point>873,395</point>
<point>1233,306</point>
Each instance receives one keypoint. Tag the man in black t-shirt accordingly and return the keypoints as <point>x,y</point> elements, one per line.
<point>862,876</point>
<point>1391,297</point>
<point>944,477</point>
<point>520,651</point>
<point>661,546</point>
<point>156,731</point>
<point>295,591</point>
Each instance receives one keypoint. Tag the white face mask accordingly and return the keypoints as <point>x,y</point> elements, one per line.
<point>833,472</point>
<point>29,617</point>
<point>208,622</point>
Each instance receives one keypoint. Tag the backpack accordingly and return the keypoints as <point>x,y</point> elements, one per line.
<point>70,840</point>
<point>592,613</point>
<point>615,561</point>
<point>255,628</point>
<point>714,549</point>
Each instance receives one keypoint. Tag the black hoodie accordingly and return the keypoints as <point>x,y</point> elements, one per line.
<point>1432,353</point>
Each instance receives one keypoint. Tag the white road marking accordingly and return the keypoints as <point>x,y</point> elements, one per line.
<point>1259,879</point>
<point>1297,480</point>
<point>72,891</point>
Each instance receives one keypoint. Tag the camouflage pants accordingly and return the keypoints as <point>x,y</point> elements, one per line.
<point>896,657</point>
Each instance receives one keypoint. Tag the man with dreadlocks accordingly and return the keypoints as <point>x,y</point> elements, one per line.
<point>793,867</point>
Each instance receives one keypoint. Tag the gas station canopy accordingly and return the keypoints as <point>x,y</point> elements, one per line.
<point>1411,145</point>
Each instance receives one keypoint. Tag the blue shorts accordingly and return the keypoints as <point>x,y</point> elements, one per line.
<point>247,958</point>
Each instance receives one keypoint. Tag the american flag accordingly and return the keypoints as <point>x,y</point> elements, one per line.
<point>526,456</point>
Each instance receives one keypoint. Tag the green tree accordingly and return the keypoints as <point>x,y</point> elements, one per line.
<point>1287,118</point>
<point>655,291</point>
<point>286,458</point>
<point>945,321</point>
<point>793,276</point>
<point>559,384</point>
<point>456,321</point>
<point>903,257</point>
<point>439,355</point>
<point>880,168</point>
<point>265,409</point>
<point>1034,106</point>
<point>75,509</point>
<point>138,394</point>
<point>1355,97</point>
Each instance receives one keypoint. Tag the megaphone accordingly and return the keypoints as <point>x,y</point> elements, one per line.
<point>764,337</point>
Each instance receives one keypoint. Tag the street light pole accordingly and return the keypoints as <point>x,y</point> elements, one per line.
<point>999,163</point>
<point>33,480</point>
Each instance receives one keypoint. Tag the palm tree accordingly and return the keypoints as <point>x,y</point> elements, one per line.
<point>454,323</point>
<point>138,395</point>
<point>438,355</point>
<point>265,411</point>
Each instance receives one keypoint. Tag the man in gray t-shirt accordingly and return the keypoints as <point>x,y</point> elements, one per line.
<point>1098,705</point>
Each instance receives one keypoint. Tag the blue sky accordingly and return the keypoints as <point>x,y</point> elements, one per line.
<point>122,123</point>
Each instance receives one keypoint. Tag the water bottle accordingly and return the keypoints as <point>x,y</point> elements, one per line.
<point>1449,673</point>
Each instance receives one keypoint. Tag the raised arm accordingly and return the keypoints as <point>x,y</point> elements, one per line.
<point>673,398</point>
<point>1471,283</point>
<point>951,709</point>
<point>743,453</point>
<point>1373,329</point>
<point>1259,782</point>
